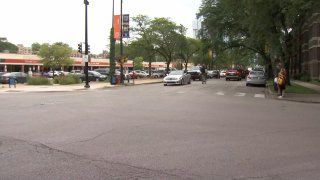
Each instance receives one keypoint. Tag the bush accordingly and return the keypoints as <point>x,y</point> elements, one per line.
<point>65,80</point>
<point>38,81</point>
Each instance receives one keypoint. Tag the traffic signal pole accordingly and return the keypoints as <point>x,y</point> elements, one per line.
<point>86,69</point>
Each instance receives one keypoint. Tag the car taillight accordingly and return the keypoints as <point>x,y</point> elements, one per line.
<point>237,72</point>
<point>227,72</point>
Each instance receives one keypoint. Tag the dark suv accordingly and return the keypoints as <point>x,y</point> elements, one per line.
<point>103,71</point>
<point>233,74</point>
<point>195,75</point>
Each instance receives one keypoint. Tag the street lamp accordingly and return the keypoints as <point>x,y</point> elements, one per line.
<point>86,2</point>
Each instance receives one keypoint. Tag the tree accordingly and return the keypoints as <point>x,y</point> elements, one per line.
<point>112,54</point>
<point>188,47</point>
<point>263,27</point>
<point>55,56</point>
<point>7,46</point>
<point>138,63</point>
<point>35,47</point>
<point>144,44</point>
<point>165,35</point>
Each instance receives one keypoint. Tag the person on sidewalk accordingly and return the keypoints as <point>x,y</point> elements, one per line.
<point>281,81</point>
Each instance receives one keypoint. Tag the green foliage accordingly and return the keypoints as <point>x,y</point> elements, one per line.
<point>293,88</point>
<point>55,56</point>
<point>66,80</point>
<point>35,47</point>
<point>38,81</point>
<point>112,53</point>
<point>188,47</point>
<point>158,36</point>
<point>138,63</point>
<point>8,46</point>
<point>264,27</point>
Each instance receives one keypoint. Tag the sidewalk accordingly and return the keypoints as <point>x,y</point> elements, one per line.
<point>306,98</point>
<point>4,88</point>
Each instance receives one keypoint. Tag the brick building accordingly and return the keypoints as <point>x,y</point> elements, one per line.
<point>306,45</point>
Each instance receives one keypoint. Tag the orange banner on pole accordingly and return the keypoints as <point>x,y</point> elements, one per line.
<point>116,25</point>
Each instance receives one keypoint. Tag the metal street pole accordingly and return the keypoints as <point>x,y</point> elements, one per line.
<point>86,2</point>
<point>121,46</point>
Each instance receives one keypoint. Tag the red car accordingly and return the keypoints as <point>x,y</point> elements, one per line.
<point>233,74</point>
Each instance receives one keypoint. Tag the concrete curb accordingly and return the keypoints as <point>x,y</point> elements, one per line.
<point>70,88</point>
<point>270,94</point>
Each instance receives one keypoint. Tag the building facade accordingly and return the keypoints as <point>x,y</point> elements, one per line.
<point>306,49</point>
<point>24,63</point>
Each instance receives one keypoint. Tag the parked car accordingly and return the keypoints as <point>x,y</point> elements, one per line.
<point>195,75</point>
<point>53,73</point>
<point>19,77</point>
<point>137,74</point>
<point>93,76</point>
<point>103,71</point>
<point>76,72</point>
<point>222,73</point>
<point>158,74</point>
<point>256,78</point>
<point>177,77</point>
<point>233,74</point>
<point>126,75</point>
<point>213,74</point>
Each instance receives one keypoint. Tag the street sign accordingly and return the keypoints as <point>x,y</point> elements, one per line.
<point>85,58</point>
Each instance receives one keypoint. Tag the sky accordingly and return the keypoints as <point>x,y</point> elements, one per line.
<point>49,21</point>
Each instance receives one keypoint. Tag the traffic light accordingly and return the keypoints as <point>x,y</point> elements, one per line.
<point>88,48</point>
<point>80,48</point>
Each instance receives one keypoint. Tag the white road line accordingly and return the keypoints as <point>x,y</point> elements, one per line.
<point>240,94</point>
<point>259,96</point>
<point>220,93</point>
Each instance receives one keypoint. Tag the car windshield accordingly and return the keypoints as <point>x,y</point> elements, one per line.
<point>258,73</point>
<point>176,73</point>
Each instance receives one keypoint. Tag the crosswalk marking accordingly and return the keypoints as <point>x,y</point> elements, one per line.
<point>240,94</point>
<point>220,93</point>
<point>259,95</point>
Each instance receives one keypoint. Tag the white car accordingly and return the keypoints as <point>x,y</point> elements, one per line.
<point>222,73</point>
<point>177,77</point>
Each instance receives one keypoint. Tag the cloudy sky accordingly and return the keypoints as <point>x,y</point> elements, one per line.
<point>49,21</point>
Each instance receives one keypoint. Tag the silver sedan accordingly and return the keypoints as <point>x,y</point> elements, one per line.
<point>177,77</point>
<point>256,78</point>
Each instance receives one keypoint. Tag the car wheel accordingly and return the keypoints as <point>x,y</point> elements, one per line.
<point>181,82</point>
<point>189,81</point>
<point>226,79</point>
<point>165,84</point>
<point>247,84</point>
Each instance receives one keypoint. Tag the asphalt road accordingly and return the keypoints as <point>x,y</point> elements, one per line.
<point>220,130</point>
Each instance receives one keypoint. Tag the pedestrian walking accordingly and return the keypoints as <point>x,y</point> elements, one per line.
<point>281,81</point>
<point>203,71</point>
